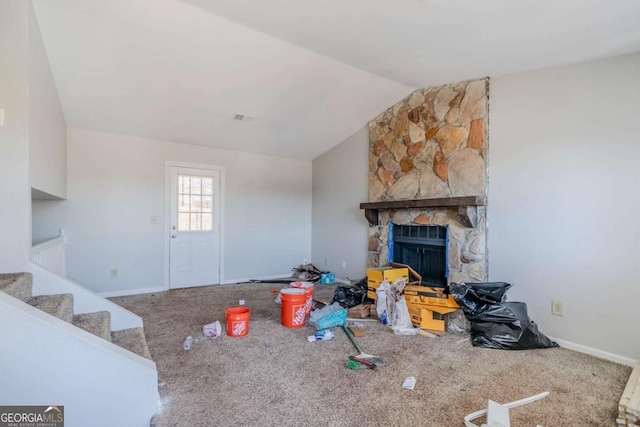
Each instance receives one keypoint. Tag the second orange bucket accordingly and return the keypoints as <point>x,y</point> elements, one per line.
<point>293,307</point>
<point>308,291</point>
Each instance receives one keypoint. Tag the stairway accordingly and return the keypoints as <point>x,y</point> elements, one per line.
<point>19,285</point>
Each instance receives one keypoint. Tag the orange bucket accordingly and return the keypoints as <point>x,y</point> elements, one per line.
<point>293,304</point>
<point>238,321</point>
<point>308,291</point>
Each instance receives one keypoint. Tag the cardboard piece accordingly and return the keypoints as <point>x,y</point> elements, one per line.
<point>373,311</point>
<point>360,311</point>
<point>357,332</point>
<point>429,296</point>
<point>428,316</point>
<point>414,277</point>
<point>377,275</point>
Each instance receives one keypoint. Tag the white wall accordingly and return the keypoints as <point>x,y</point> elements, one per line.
<point>15,207</point>
<point>116,183</point>
<point>47,127</point>
<point>48,217</point>
<point>339,228</point>
<point>563,198</point>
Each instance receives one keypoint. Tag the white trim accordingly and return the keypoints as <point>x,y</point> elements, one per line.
<point>247,280</point>
<point>168,164</point>
<point>194,166</point>
<point>595,352</point>
<point>127,292</point>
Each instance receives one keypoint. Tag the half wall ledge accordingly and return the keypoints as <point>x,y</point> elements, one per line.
<point>466,207</point>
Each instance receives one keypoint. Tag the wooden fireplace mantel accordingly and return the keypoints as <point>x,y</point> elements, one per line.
<point>466,207</point>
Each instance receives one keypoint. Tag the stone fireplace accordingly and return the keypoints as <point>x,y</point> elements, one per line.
<point>428,167</point>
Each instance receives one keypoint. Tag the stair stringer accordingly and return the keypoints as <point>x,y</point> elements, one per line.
<point>47,361</point>
<point>85,301</point>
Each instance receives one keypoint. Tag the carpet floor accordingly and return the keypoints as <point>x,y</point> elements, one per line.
<point>274,377</point>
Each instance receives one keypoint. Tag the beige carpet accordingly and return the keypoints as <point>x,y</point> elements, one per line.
<point>274,377</point>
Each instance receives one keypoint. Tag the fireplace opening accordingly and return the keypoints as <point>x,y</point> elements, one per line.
<point>424,248</point>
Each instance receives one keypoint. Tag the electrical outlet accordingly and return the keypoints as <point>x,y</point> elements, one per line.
<point>344,264</point>
<point>557,308</point>
<point>114,273</point>
<point>326,261</point>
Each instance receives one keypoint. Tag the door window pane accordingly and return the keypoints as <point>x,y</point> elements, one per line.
<point>195,203</point>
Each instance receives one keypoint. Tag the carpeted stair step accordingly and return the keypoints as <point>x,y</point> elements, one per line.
<point>98,323</point>
<point>133,340</point>
<point>58,305</point>
<point>18,285</point>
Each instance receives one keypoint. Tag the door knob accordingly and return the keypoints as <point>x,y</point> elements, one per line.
<point>173,236</point>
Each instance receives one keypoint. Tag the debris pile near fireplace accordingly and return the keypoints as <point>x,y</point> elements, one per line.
<point>495,323</point>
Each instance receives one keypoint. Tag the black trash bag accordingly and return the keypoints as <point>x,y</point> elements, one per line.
<point>475,298</point>
<point>506,326</point>
<point>350,295</point>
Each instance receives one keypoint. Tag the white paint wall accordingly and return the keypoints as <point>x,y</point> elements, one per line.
<point>563,198</point>
<point>48,217</point>
<point>339,228</point>
<point>116,183</point>
<point>47,127</point>
<point>15,204</point>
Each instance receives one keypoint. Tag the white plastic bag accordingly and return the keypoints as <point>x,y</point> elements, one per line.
<point>382,306</point>
<point>212,330</point>
<point>401,321</point>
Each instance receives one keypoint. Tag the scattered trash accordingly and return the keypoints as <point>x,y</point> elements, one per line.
<point>307,272</point>
<point>498,415</point>
<point>409,383</point>
<point>241,302</point>
<point>350,295</point>
<point>354,323</point>
<point>188,342</point>
<point>274,290</point>
<point>497,324</point>
<point>357,332</point>
<point>324,335</point>
<point>376,360</point>
<point>462,340</point>
<point>360,311</point>
<point>212,330</point>
<point>328,317</point>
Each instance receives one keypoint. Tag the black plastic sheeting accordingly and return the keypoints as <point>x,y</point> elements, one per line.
<point>350,295</point>
<point>494,323</point>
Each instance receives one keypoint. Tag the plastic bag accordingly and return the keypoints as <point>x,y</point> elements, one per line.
<point>475,298</point>
<point>507,326</point>
<point>328,317</point>
<point>401,321</point>
<point>382,306</point>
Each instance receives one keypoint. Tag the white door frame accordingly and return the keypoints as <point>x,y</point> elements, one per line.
<point>167,212</point>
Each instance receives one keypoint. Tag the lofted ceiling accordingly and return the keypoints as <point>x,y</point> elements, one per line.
<point>310,72</point>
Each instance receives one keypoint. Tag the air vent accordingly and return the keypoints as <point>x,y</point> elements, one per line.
<point>242,117</point>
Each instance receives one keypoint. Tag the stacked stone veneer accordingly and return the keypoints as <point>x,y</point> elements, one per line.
<point>433,144</point>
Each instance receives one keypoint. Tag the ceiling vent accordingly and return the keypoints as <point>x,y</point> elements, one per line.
<point>242,117</point>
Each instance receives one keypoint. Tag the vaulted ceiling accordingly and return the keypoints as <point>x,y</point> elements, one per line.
<point>310,72</point>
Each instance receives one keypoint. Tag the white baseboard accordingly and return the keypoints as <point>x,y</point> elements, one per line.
<point>127,292</point>
<point>245,280</point>
<point>595,352</point>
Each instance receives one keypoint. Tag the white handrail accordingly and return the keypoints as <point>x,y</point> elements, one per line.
<point>50,254</point>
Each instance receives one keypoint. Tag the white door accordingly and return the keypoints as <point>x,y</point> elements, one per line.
<point>194,235</point>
